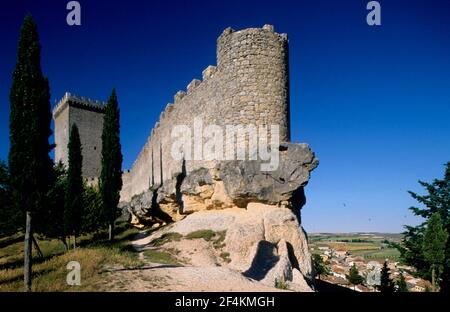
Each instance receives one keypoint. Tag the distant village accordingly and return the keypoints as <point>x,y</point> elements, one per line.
<point>339,261</point>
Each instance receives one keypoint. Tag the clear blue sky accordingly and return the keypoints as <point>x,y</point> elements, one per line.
<point>373,102</point>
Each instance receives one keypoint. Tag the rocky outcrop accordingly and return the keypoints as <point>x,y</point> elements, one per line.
<point>264,243</point>
<point>245,182</point>
<point>227,184</point>
<point>257,209</point>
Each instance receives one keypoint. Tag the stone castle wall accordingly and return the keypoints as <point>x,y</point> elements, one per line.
<point>250,85</point>
<point>88,116</point>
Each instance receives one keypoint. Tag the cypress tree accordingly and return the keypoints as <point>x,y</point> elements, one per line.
<point>386,284</point>
<point>353,276</point>
<point>92,213</point>
<point>73,208</point>
<point>56,199</point>
<point>8,216</point>
<point>436,200</point>
<point>111,174</point>
<point>30,167</point>
<point>434,242</point>
<point>320,267</point>
<point>401,284</point>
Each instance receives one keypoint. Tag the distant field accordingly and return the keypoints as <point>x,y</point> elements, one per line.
<point>387,253</point>
<point>354,246</point>
<point>369,246</point>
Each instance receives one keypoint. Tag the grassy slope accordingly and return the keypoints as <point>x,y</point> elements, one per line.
<point>49,273</point>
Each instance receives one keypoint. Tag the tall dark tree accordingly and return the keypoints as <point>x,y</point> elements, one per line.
<point>3,190</point>
<point>353,276</point>
<point>401,283</point>
<point>73,209</point>
<point>9,218</point>
<point>92,214</point>
<point>434,241</point>
<point>30,167</point>
<point>320,267</point>
<point>386,283</point>
<point>411,250</point>
<point>111,174</point>
<point>436,200</point>
<point>56,203</point>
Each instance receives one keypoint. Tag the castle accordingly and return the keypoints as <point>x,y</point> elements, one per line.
<point>87,114</point>
<point>249,85</point>
<point>257,209</point>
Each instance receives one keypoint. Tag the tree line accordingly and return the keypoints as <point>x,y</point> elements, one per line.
<point>425,247</point>
<point>36,195</point>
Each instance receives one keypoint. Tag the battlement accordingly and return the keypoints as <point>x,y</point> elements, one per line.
<point>237,45</point>
<point>235,49</point>
<point>79,102</point>
<point>249,85</point>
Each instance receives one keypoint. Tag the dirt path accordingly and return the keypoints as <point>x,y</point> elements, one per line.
<point>197,273</point>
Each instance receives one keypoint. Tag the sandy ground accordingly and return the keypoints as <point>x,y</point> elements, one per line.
<point>201,270</point>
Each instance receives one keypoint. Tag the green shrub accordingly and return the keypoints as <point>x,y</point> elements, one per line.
<point>225,256</point>
<point>280,284</point>
<point>165,238</point>
<point>162,257</point>
<point>207,235</point>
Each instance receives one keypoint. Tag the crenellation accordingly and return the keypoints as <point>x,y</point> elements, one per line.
<point>192,85</point>
<point>249,85</point>
<point>169,108</point>
<point>209,72</point>
<point>227,31</point>
<point>87,114</point>
<point>179,96</point>
<point>269,27</point>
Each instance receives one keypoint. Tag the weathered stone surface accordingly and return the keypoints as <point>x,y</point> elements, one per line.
<point>232,184</point>
<point>245,182</point>
<point>209,72</point>
<point>249,86</point>
<point>278,224</point>
<point>255,249</point>
<point>298,282</point>
<point>258,209</point>
<point>282,270</point>
<point>88,115</point>
<point>141,204</point>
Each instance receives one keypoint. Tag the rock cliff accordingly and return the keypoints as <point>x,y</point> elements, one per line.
<point>229,184</point>
<point>258,210</point>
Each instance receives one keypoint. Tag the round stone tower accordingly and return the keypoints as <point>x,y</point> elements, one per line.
<point>255,63</point>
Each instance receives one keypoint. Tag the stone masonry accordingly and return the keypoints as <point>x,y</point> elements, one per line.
<point>258,209</point>
<point>250,85</point>
<point>87,114</point>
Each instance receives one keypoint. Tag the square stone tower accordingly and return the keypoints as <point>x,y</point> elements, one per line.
<point>87,114</point>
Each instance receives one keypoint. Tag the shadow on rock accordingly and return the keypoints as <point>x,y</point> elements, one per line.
<point>265,259</point>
